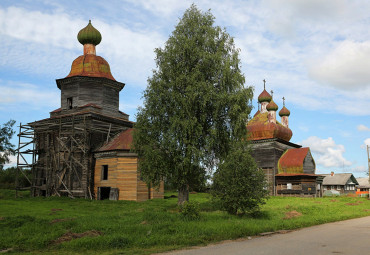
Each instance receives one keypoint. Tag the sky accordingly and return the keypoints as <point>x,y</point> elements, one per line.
<point>314,53</point>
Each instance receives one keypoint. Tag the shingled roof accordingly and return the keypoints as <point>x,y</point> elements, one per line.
<point>363,182</point>
<point>338,179</point>
<point>122,141</point>
<point>292,161</point>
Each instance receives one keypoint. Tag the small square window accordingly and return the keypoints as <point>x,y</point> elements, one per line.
<point>104,172</point>
<point>289,186</point>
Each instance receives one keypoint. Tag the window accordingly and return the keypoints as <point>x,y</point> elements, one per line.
<point>288,186</point>
<point>69,102</point>
<point>104,172</point>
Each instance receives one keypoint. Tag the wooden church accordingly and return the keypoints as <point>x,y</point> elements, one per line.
<point>289,169</point>
<point>83,148</point>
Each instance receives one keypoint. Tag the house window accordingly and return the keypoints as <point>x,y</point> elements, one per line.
<point>104,172</point>
<point>338,187</point>
<point>69,102</point>
<point>288,186</point>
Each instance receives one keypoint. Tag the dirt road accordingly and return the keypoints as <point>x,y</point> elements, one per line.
<point>344,237</point>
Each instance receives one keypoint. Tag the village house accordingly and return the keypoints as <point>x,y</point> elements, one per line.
<point>363,187</point>
<point>344,183</point>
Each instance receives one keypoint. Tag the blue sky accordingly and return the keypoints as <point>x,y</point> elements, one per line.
<point>314,53</point>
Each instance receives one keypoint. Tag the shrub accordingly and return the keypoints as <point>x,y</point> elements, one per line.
<point>239,187</point>
<point>8,176</point>
<point>190,210</point>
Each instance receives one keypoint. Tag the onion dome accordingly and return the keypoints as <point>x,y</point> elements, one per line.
<point>284,112</point>
<point>264,97</point>
<point>272,106</point>
<point>89,35</point>
<point>259,128</point>
<point>89,64</point>
<point>92,66</point>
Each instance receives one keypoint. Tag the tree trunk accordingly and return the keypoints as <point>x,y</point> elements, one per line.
<point>183,194</point>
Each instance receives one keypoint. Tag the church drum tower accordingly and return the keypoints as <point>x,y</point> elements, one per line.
<point>88,117</point>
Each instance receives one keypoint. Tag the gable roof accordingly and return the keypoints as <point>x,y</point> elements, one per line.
<point>292,160</point>
<point>363,182</point>
<point>122,141</point>
<point>338,179</point>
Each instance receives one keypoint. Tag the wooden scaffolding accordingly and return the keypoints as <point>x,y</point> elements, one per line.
<point>63,152</point>
<point>26,156</point>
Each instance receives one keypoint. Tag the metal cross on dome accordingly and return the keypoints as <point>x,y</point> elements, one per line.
<point>264,84</point>
<point>272,93</point>
<point>283,101</point>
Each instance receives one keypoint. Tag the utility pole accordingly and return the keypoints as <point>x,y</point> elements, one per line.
<point>368,164</point>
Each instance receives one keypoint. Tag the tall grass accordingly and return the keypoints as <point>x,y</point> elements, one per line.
<point>35,225</point>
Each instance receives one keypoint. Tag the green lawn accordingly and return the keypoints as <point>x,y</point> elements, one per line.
<point>54,225</point>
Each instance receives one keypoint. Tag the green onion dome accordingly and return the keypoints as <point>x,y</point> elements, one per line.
<point>272,106</point>
<point>89,35</point>
<point>284,112</point>
<point>264,97</point>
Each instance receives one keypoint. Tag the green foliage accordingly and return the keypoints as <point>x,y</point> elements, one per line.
<point>195,105</point>
<point>190,210</point>
<point>238,184</point>
<point>6,148</point>
<point>8,176</point>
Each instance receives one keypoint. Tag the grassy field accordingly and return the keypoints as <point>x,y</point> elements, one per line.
<point>64,226</point>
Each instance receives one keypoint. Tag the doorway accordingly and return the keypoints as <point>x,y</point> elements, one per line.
<point>104,193</point>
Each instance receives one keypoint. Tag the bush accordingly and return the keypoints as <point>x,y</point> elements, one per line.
<point>239,187</point>
<point>190,210</point>
<point>8,176</point>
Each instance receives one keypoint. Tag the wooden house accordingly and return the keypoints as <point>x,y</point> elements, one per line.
<point>71,150</point>
<point>289,169</point>
<point>116,172</point>
<point>343,183</point>
<point>363,187</point>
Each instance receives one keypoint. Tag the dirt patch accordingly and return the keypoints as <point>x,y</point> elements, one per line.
<point>56,209</point>
<point>292,214</point>
<point>61,220</point>
<point>360,202</point>
<point>143,222</point>
<point>193,192</point>
<point>2,218</point>
<point>70,236</point>
<point>318,202</point>
<point>352,204</point>
<point>367,210</point>
<point>333,200</point>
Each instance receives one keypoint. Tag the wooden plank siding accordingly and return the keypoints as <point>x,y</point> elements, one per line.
<point>123,174</point>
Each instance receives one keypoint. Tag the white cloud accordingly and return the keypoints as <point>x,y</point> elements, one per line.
<point>326,152</point>
<point>359,169</point>
<point>367,142</point>
<point>26,96</point>
<point>12,161</point>
<point>294,16</point>
<point>346,66</point>
<point>47,43</point>
<point>362,128</point>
